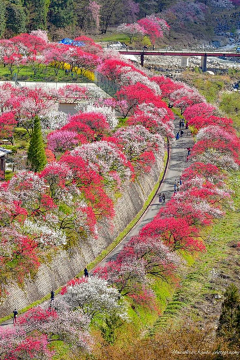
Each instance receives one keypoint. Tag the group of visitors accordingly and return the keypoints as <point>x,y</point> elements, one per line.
<point>161,197</point>
<point>182,124</point>
<point>177,185</point>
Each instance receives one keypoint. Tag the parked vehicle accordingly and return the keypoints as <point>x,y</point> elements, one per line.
<point>117,46</point>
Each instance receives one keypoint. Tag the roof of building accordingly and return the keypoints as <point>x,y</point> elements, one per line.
<point>4,152</point>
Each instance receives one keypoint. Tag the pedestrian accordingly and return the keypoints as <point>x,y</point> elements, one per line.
<point>52,295</point>
<point>180,181</point>
<point>175,187</point>
<point>15,314</point>
<point>178,186</point>
<point>86,272</point>
<point>163,198</point>
<point>181,132</point>
<point>186,127</point>
<point>180,124</point>
<point>160,197</point>
<point>189,150</point>
<point>177,135</point>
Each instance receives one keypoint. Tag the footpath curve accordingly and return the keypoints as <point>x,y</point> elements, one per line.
<point>177,163</point>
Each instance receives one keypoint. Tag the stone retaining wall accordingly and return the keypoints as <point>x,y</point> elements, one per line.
<point>66,264</point>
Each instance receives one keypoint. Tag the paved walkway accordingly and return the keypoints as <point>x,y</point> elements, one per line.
<point>177,163</point>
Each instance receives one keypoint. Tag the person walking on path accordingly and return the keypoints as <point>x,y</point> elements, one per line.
<point>175,187</point>
<point>177,135</point>
<point>15,314</point>
<point>163,198</point>
<point>180,181</point>
<point>178,186</point>
<point>86,272</point>
<point>160,197</point>
<point>52,295</point>
<point>181,133</point>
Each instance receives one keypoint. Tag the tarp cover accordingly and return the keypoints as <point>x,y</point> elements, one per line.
<point>68,41</point>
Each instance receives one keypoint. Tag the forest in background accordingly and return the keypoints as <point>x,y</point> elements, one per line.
<point>201,18</point>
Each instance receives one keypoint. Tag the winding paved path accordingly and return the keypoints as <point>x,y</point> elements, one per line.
<point>177,163</point>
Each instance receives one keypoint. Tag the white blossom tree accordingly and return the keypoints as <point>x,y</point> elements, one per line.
<point>94,297</point>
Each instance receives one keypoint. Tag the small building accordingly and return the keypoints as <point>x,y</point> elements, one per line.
<point>3,156</point>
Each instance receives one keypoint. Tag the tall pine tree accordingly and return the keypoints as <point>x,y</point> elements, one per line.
<point>15,17</point>
<point>2,18</point>
<point>36,12</point>
<point>36,153</point>
<point>61,13</point>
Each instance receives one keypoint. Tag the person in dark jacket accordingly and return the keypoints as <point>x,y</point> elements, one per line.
<point>86,272</point>
<point>15,314</point>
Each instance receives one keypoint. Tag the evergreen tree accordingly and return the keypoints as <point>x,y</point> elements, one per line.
<point>61,13</point>
<point>229,321</point>
<point>15,17</point>
<point>2,18</point>
<point>36,153</point>
<point>36,13</point>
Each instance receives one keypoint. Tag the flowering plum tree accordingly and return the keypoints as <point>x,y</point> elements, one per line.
<point>7,124</point>
<point>62,140</point>
<point>155,119</point>
<point>108,160</point>
<point>139,145</point>
<point>19,257</point>
<point>90,46</point>
<point>95,120</point>
<point>16,344</point>
<point>86,134</point>
<point>53,120</point>
<point>34,331</point>
<point>199,122</point>
<point>218,147</point>
<point>33,43</point>
<point>158,260</point>
<point>129,77</point>
<point>132,30</point>
<point>134,95</point>
<point>210,172</point>
<point>94,297</point>
<point>90,183</point>
<point>74,92</point>
<point>184,97</point>
<point>175,233</point>
<point>107,111</point>
<point>202,110</point>
<point>63,324</point>
<point>154,27</point>
<point>141,256</point>
<point>112,69</point>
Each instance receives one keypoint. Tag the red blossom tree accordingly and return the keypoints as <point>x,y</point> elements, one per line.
<point>175,233</point>
<point>7,124</point>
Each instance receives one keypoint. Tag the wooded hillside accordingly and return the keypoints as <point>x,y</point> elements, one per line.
<point>202,18</point>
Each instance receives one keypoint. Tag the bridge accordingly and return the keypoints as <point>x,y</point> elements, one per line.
<point>184,54</point>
